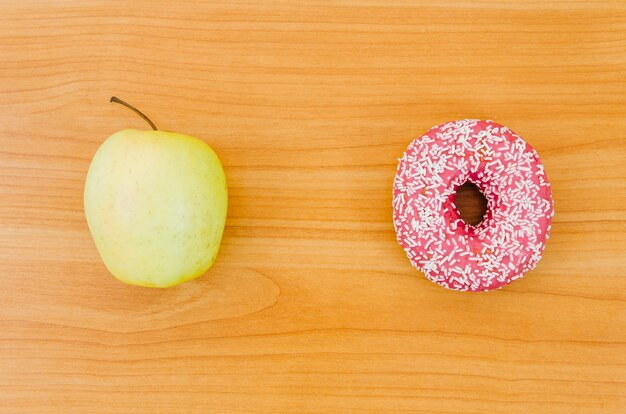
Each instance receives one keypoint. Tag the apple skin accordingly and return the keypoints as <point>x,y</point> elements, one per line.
<point>156,206</point>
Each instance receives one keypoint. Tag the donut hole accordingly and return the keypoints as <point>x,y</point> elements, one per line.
<point>471,203</point>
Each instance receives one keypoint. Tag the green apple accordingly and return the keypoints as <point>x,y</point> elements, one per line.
<point>156,205</point>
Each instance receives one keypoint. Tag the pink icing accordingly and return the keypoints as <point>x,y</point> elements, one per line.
<point>508,171</point>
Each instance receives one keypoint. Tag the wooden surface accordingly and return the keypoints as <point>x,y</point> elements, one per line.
<point>312,307</point>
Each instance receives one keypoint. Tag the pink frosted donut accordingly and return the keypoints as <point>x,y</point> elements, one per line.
<point>510,239</point>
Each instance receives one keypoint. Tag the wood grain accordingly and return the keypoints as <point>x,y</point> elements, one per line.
<point>312,307</point>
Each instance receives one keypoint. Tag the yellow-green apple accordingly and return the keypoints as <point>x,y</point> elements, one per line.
<point>156,205</point>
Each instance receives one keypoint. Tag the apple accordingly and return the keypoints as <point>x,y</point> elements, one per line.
<point>156,205</point>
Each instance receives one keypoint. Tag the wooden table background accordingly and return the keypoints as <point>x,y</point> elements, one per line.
<point>311,307</point>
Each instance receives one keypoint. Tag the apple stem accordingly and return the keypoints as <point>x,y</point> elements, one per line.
<point>115,99</point>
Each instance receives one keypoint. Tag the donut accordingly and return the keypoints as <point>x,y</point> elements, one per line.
<point>510,239</point>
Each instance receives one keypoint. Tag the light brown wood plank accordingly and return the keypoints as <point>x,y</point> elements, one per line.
<point>312,306</point>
